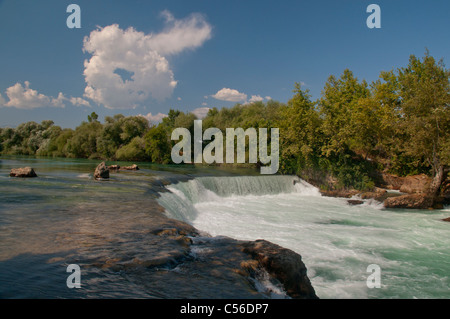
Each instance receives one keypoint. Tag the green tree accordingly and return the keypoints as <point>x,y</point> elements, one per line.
<point>83,143</point>
<point>158,144</point>
<point>134,151</point>
<point>93,117</point>
<point>424,89</point>
<point>299,133</point>
<point>339,107</point>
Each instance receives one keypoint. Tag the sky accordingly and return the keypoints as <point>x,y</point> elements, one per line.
<point>144,58</point>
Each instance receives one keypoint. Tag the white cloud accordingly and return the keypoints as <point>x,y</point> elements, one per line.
<point>154,118</point>
<point>143,55</point>
<point>268,98</point>
<point>78,101</point>
<point>201,112</point>
<point>59,101</point>
<point>23,97</point>
<point>179,98</point>
<point>255,98</point>
<point>180,35</point>
<point>230,95</point>
<point>204,104</point>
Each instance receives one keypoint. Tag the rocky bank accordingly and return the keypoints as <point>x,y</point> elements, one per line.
<point>413,192</point>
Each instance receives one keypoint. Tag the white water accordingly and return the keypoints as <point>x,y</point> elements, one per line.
<point>337,241</point>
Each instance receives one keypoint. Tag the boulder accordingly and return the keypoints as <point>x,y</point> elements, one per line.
<point>391,181</point>
<point>415,184</point>
<point>284,265</point>
<point>23,172</point>
<point>378,194</point>
<point>101,172</point>
<point>409,184</point>
<point>416,201</point>
<point>446,219</point>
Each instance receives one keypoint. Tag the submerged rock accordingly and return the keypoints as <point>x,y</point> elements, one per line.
<point>133,167</point>
<point>355,202</point>
<point>114,167</point>
<point>101,172</point>
<point>23,172</point>
<point>446,219</point>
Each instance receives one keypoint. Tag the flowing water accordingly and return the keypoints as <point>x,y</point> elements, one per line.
<point>337,241</point>
<point>64,217</point>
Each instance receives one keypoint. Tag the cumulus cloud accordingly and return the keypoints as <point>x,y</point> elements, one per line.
<point>142,55</point>
<point>180,35</point>
<point>255,98</point>
<point>23,97</point>
<point>154,119</point>
<point>78,101</point>
<point>230,95</point>
<point>59,101</point>
<point>201,112</point>
<point>268,98</point>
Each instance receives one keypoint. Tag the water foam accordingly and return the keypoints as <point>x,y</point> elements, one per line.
<point>337,241</point>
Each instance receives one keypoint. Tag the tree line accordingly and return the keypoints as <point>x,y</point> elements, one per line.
<point>398,124</point>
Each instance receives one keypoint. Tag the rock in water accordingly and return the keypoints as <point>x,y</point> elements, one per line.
<point>355,202</point>
<point>101,172</point>
<point>133,167</point>
<point>415,201</point>
<point>23,172</point>
<point>283,264</point>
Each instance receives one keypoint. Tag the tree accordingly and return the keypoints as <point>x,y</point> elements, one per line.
<point>158,144</point>
<point>338,108</point>
<point>93,117</point>
<point>424,89</point>
<point>83,143</point>
<point>299,133</point>
<point>134,151</point>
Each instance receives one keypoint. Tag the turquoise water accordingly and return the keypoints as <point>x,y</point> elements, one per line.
<point>337,241</point>
<point>64,217</point>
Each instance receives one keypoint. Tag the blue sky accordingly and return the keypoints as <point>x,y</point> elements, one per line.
<point>191,54</point>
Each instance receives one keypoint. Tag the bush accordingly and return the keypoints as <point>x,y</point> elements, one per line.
<point>134,151</point>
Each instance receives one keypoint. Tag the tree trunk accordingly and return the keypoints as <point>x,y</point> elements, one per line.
<point>437,181</point>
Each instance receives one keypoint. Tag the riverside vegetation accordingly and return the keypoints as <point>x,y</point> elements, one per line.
<point>349,138</point>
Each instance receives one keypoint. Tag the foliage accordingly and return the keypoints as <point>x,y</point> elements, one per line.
<point>399,123</point>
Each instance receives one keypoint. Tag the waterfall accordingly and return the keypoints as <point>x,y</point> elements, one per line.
<point>181,198</point>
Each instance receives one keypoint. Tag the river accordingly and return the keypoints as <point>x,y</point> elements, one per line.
<point>65,217</point>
